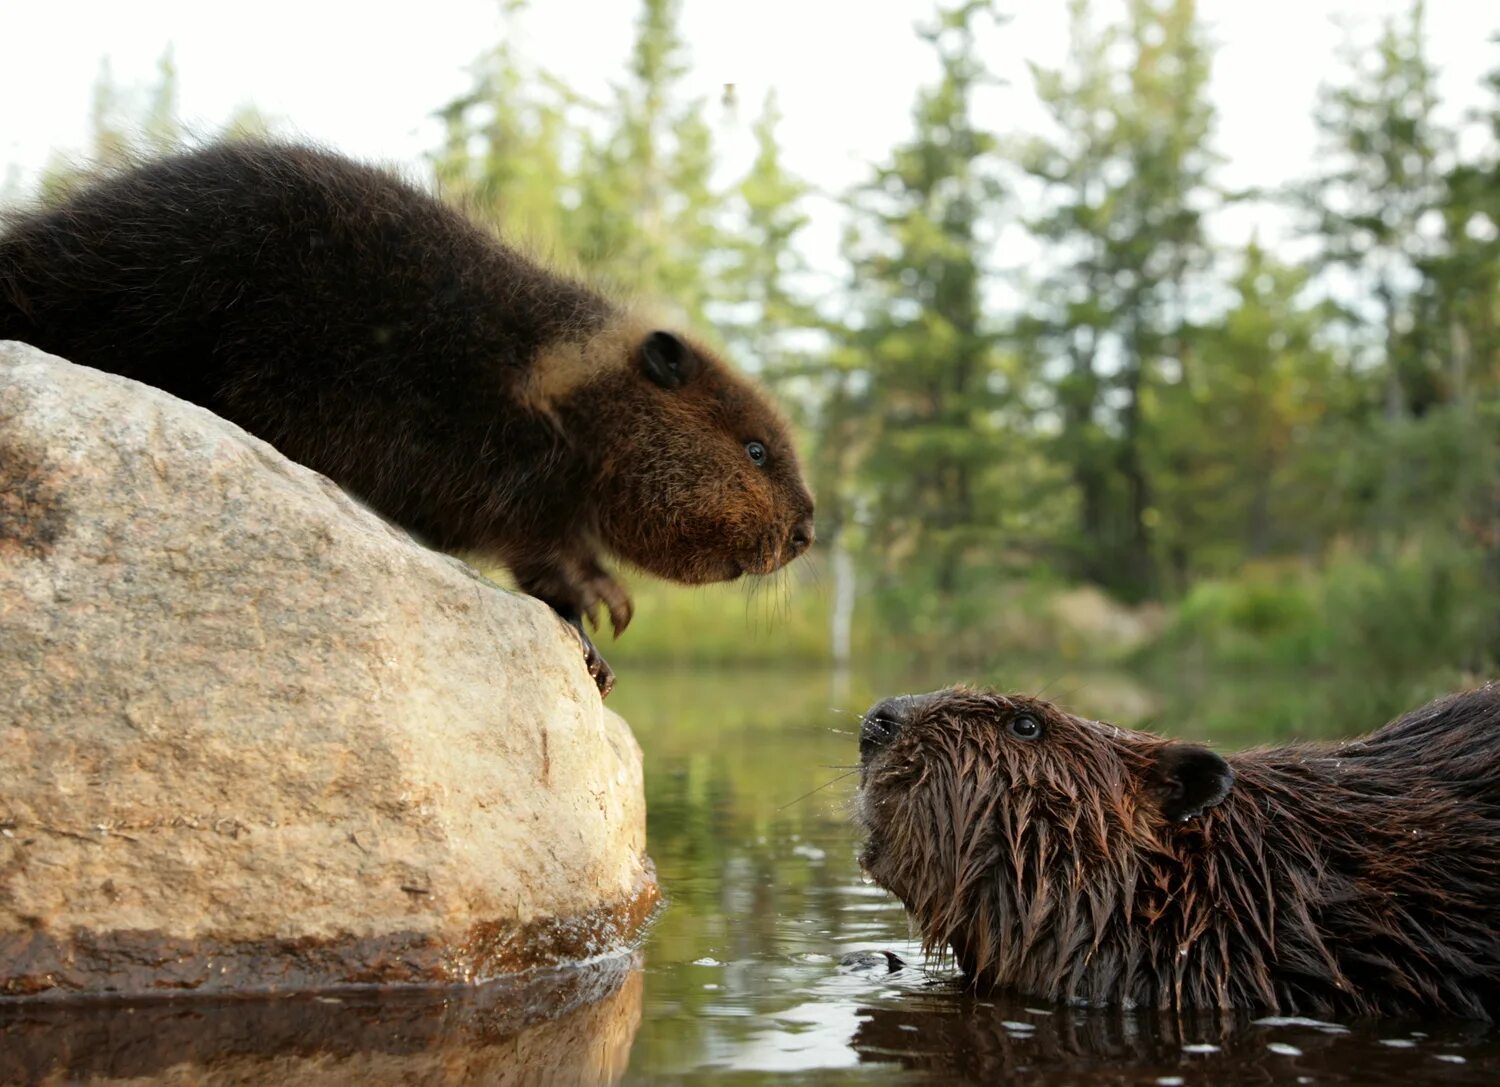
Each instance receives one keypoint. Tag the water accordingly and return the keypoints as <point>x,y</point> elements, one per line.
<point>739,980</point>
<point>742,981</point>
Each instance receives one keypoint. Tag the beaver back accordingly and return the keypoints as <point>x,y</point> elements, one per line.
<point>378,336</point>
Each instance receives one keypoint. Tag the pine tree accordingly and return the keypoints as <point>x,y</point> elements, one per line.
<point>1238,455</point>
<point>762,312</point>
<point>1127,177</point>
<point>504,149</point>
<point>932,378</point>
<point>1382,145</point>
<point>647,210</point>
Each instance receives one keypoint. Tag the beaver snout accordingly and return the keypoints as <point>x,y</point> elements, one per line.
<point>801,539</point>
<point>884,722</point>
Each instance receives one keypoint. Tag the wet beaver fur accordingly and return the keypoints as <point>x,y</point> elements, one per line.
<point>1080,862</point>
<point>461,390</point>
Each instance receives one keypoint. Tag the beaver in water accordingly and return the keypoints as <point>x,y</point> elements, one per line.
<point>458,388</point>
<point>1079,862</point>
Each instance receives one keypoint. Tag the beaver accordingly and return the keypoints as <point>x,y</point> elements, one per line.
<point>457,387</point>
<point>1079,862</point>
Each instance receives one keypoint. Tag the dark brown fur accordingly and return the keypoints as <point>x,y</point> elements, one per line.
<point>379,337</point>
<point>1100,865</point>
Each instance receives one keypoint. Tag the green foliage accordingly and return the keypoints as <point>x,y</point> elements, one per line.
<point>760,310</point>
<point>1257,618</point>
<point>622,190</point>
<point>1125,177</point>
<point>502,157</point>
<point>1380,180</point>
<point>1238,448</point>
<point>1368,631</point>
<point>783,623</point>
<point>928,359</point>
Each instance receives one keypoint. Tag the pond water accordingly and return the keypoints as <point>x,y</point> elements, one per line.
<point>739,980</point>
<point>742,975</point>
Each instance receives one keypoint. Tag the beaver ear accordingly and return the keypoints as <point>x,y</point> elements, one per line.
<point>1187,780</point>
<point>668,361</point>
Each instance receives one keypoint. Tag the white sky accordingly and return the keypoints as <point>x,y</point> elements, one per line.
<point>365,77</point>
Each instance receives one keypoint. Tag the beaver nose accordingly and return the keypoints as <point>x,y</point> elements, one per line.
<point>883,722</point>
<point>802,537</point>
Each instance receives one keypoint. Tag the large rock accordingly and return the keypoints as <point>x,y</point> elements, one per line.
<point>253,737</point>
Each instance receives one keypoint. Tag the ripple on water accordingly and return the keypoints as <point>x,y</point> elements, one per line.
<point>1299,1021</point>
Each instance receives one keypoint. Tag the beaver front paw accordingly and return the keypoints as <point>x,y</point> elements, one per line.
<point>597,587</point>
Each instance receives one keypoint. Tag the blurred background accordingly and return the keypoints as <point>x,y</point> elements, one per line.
<point>1145,348</point>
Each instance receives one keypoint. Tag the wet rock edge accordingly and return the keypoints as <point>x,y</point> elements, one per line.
<point>40,965</point>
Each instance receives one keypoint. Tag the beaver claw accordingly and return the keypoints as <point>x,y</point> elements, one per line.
<point>597,587</point>
<point>599,669</point>
<point>576,588</point>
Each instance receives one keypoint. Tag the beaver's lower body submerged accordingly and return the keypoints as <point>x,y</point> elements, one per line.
<point>1074,860</point>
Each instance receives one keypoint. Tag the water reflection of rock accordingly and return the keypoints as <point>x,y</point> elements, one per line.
<point>567,1027</point>
<point>956,1039</point>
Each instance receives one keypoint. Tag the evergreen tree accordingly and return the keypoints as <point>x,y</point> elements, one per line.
<point>1126,179</point>
<point>762,312</point>
<point>621,190</point>
<point>1463,276</point>
<point>1241,468</point>
<point>647,209</point>
<point>932,377</point>
<point>1382,144</point>
<point>504,150</point>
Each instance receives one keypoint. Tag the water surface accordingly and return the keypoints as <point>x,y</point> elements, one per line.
<point>742,982</point>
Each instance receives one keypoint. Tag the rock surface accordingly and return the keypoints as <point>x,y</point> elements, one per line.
<point>252,737</point>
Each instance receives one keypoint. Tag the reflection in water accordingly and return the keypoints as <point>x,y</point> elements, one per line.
<point>956,1039</point>
<point>568,1027</point>
<point>742,971</point>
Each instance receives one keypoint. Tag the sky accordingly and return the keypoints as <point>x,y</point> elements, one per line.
<point>366,77</point>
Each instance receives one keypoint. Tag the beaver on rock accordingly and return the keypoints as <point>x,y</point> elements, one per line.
<point>378,336</point>
<point>1080,862</point>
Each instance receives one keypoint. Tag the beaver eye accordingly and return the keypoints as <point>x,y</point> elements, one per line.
<point>1023,726</point>
<point>756,452</point>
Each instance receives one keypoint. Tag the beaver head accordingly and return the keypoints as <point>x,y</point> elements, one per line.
<point>1016,834</point>
<point>697,478</point>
